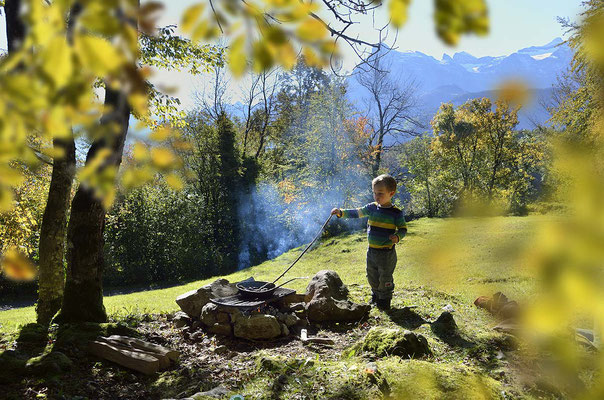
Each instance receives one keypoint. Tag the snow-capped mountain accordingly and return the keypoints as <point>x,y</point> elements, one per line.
<point>464,76</point>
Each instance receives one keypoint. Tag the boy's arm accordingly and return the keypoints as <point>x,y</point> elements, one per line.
<point>355,212</point>
<point>401,227</point>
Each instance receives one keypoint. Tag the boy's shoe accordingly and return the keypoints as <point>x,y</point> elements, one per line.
<point>384,304</point>
<point>374,299</point>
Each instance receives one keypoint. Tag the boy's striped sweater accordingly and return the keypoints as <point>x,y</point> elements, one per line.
<point>383,222</point>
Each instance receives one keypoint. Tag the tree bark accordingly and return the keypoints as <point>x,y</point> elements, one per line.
<point>15,29</point>
<point>83,299</point>
<point>51,283</point>
<point>52,234</point>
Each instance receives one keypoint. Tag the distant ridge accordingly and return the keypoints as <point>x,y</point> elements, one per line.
<point>463,76</point>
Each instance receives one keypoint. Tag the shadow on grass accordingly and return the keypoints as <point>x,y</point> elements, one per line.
<point>406,318</point>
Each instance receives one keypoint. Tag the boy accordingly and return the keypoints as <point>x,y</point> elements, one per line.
<point>386,227</point>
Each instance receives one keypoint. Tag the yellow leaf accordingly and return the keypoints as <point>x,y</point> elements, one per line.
<point>190,17</point>
<point>174,181</point>
<point>58,63</point>
<point>311,30</point>
<point>140,152</point>
<point>162,157</point>
<point>18,267</point>
<point>97,54</point>
<point>6,198</point>
<point>398,12</point>
<point>263,59</point>
<point>10,176</point>
<point>287,56</point>
<point>56,123</point>
<point>161,133</point>
<point>237,58</point>
<point>132,178</point>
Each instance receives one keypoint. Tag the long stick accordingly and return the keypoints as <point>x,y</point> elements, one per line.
<point>300,256</point>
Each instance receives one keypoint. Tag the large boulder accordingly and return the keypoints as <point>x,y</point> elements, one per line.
<point>193,301</point>
<point>383,342</point>
<point>326,284</point>
<point>328,309</point>
<point>327,300</point>
<point>257,326</point>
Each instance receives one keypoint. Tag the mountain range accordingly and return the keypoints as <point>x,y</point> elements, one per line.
<point>463,76</point>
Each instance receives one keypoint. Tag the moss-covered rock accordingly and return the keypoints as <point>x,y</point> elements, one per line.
<point>384,342</point>
<point>33,335</point>
<point>53,363</point>
<point>12,368</point>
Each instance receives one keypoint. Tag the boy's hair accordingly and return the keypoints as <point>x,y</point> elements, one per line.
<point>385,180</point>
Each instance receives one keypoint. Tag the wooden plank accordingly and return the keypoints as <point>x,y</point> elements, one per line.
<point>146,346</point>
<point>164,361</point>
<point>138,361</point>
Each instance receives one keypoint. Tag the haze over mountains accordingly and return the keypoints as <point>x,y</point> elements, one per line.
<point>463,76</point>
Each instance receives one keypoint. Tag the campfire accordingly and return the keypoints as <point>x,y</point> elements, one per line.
<point>221,308</point>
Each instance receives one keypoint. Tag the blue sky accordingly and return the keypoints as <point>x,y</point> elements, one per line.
<point>515,24</point>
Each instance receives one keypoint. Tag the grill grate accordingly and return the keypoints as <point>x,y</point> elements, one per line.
<point>246,303</point>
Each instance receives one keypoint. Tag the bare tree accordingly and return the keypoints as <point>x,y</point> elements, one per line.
<point>250,96</point>
<point>390,106</point>
<point>213,97</point>
<point>268,85</point>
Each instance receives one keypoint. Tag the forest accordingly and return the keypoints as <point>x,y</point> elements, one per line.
<point>109,186</point>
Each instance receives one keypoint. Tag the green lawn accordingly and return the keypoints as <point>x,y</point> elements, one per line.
<point>463,257</point>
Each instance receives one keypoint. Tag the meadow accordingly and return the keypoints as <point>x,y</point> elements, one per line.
<point>463,257</point>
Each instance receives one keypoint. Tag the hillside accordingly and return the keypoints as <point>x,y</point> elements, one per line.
<point>441,263</point>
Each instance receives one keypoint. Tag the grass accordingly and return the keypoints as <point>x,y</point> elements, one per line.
<point>462,257</point>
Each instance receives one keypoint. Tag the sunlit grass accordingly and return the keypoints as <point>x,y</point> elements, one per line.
<point>464,257</point>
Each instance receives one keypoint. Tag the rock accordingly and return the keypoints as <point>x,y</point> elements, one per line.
<point>258,326</point>
<point>180,319</point>
<point>445,324</point>
<point>221,329</point>
<point>329,309</point>
<point>208,314</point>
<point>53,363</point>
<point>509,310</point>
<point>13,367</point>
<point>222,318</point>
<point>222,349</point>
<point>290,320</point>
<point>395,341</point>
<point>326,284</point>
<point>326,300</point>
<point>296,307</point>
<point>193,301</point>
<point>448,308</point>
<point>197,336</point>
<point>217,393</point>
<point>293,298</point>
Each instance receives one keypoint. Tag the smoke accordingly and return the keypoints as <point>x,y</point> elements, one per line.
<point>276,216</point>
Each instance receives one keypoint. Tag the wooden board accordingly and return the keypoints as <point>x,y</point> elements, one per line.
<point>133,353</point>
<point>138,361</point>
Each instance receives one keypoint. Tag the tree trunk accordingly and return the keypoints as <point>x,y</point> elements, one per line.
<point>52,234</point>
<point>83,299</point>
<point>15,29</point>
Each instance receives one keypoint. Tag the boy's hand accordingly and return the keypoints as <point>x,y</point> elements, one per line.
<point>337,212</point>
<point>393,238</point>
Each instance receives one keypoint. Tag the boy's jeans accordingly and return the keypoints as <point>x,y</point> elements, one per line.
<point>380,267</point>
